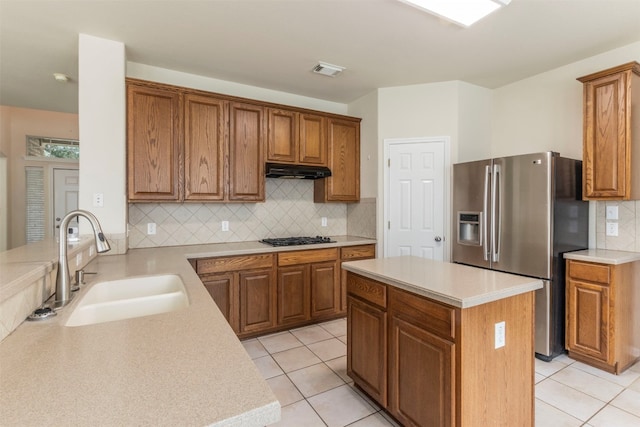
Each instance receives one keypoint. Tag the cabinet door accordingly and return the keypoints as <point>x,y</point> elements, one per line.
<point>352,253</point>
<point>293,294</point>
<point>367,348</point>
<point>606,154</point>
<point>588,319</point>
<point>426,399</point>
<point>282,136</point>
<point>204,147</point>
<point>325,289</point>
<point>246,152</point>
<point>224,291</point>
<point>154,144</point>
<point>313,139</point>
<point>344,162</point>
<point>257,300</point>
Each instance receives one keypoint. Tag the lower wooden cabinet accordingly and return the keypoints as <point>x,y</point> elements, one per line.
<point>263,293</point>
<point>352,253</point>
<point>602,309</point>
<point>430,364</point>
<point>367,328</point>
<point>257,300</point>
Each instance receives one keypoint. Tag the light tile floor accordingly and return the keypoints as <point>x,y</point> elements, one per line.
<point>306,369</point>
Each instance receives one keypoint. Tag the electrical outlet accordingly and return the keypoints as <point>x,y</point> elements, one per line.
<point>98,200</point>
<point>225,225</point>
<point>500,334</point>
<point>324,221</point>
<point>612,228</point>
<point>151,228</point>
<point>612,212</point>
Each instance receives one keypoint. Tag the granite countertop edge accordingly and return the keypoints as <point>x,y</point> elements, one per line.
<point>603,256</point>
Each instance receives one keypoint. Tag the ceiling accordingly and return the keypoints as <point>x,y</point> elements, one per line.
<point>274,43</point>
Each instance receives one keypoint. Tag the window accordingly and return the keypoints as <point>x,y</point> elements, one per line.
<point>38,146</point>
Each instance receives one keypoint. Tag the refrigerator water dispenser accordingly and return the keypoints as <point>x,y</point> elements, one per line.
<point>469,228</point>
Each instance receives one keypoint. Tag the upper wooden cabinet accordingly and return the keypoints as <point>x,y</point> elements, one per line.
<point>611,151</point>
<point>246,152</point>
<point>187,145</point>
<point>205,137</point>
<point>344,162</point>
<point>296,137</point>
<point>154,147</point>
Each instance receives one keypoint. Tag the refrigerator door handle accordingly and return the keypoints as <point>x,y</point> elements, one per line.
<point>485,205</point>
<point>496,212</point>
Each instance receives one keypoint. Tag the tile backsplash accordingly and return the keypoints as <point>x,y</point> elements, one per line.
<point>628,238</point>
<point>288,211</point>
<point>361,218</point>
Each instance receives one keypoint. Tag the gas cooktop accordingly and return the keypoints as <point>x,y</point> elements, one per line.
<point>292,241</point>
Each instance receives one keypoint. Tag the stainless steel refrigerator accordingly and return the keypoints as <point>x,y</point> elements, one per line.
<point>519,215</point>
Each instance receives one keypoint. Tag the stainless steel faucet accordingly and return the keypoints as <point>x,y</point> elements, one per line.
<point>63,278</point>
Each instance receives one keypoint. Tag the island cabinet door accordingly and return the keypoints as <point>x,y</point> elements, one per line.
<point>421,372</point>
<point>367,348</point>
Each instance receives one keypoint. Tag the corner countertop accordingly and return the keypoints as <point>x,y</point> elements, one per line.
<point>186,367</point>
<point>454,284</point>
<point>603,256</point>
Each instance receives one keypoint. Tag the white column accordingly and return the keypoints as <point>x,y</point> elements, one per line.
<point>102,129</point>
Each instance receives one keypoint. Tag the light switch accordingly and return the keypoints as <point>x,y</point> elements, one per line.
<point>612,212</point>
<point>612,228</point>
<point>225,225</point>
<point>151,228</point>
<point>323,221</point>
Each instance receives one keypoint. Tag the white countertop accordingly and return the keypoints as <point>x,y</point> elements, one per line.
<point>458,285</point>
<point>186,367</point>
<point>604,256</point>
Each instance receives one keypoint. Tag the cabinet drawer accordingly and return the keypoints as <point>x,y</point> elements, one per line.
<point>236,263</point>
<point>356,252</point>
<point>307,257</point>
<point>423,312</point>
<point>590,272</point>
<point>367,289</point>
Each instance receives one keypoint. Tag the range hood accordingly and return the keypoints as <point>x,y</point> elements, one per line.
<point>279,170</point>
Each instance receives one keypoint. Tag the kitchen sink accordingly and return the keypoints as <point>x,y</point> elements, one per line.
<point>129,298</point>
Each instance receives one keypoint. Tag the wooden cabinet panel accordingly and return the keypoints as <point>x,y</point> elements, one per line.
<point>246,152</point>
<point>154,144</point>
<point>344,162</point>
<point>294,300</point>
<point>325,289</point>
<point>588,271</point>
<point>432,316</point>
<point>204,147</point>
<point>233,263</point>
<point>367,289</point>
<point>588,333</point>
<point>427,398</point>
<point>609,148</point>
<point>367,348</point>
<point>307,256</point>
<point>224,292</point>
<point>352,253</point>
<point>282,136</point>
<point>257,300</point>
<point>313,139</point>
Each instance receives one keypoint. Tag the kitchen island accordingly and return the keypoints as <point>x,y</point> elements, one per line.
<point>184,367</point>
<point>437,343</point>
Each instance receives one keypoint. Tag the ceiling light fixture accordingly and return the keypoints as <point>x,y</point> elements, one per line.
<point>62,78</point>
<point>461,12</point>
<point>327,69</point>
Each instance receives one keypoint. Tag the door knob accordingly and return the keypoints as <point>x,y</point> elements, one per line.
<point>438,239</point>
<point>57,219</point>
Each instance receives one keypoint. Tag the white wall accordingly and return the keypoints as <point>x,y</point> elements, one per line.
<point>544,112</point>
<point>366,108</point>
<point>163,75</point>
<point>474,122</point>
<point>102,129</point>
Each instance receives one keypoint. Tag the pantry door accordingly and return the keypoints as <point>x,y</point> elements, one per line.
<point>415,208</point>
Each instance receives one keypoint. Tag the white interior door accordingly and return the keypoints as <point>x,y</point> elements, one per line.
<point>65,196</point>
<point>416,199</point>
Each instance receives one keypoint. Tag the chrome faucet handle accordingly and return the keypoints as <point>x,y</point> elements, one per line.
<point>80,278</point>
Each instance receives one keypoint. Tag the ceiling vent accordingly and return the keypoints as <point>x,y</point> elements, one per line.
<point>327,69</point>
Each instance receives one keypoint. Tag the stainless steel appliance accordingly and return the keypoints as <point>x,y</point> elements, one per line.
<point>519,215</point>
<point>294,241</point>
